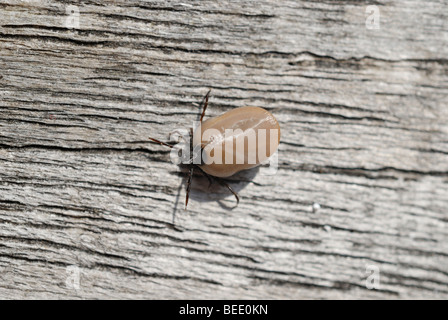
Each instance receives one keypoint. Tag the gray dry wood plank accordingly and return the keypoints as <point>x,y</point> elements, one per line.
<point>364,135</point>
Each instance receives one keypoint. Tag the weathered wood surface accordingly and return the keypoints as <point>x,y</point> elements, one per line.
<point>365,135</point>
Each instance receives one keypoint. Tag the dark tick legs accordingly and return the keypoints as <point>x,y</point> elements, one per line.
<point>190,177</point>
<point>162,143</point>
<point>191,170</point>
<point>221,182</point>
<point>209,177</point>
<point>205,102</point>
<point>210,180</point>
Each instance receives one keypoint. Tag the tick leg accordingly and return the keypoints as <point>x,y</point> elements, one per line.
<point>205,101</point>
<point>209,177</point>
<point>160,142</point>
<point>190,177</point>
<point>223,183</point>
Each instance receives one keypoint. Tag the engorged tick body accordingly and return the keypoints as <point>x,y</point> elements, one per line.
<point>243,124</point>
<point>222,142</point>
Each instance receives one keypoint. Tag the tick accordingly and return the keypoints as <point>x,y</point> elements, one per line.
<point>218,145</point>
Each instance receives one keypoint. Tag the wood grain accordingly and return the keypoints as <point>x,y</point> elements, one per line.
<point>364,122</point>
